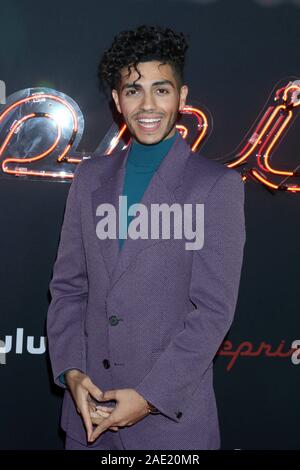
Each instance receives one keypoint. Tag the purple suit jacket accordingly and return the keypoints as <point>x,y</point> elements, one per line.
<point>153,316</point>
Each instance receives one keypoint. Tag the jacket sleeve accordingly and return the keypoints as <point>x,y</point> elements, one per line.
<point>214,285</point>
<point>69,290</point>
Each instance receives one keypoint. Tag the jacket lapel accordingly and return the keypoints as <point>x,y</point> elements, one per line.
<point>111,185</point>
<point>162,188</point>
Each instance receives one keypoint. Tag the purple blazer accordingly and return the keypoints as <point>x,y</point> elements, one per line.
<point>153,316</point>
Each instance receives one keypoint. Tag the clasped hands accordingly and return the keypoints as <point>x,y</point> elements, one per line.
<point>130,408</point>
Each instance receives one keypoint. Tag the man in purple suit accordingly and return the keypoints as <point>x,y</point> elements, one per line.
<point>135,319</point>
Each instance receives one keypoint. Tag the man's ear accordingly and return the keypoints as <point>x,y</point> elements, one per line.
<point>115,97</point>
<point>183,95</point>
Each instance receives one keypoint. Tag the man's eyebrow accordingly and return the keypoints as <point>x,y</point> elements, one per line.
<point>138,86</point>
<point>163,82</point>
<point>130,85</point>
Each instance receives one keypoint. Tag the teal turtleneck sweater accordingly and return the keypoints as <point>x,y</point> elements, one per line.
<point>142,162</point>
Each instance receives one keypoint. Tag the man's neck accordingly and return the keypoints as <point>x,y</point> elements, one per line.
<point>150,156</point>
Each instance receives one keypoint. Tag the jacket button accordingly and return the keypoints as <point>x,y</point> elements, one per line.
<point>114,320</point>
<point>178,414</point>
<point>106,364</point>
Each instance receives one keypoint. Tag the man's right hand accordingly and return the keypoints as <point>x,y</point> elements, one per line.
<point>83,391</point>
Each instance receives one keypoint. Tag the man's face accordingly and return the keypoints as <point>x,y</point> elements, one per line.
<point>151,104</point>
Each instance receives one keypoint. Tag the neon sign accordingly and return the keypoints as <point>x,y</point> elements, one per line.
<point>280,112</point>
<point>40,129</point>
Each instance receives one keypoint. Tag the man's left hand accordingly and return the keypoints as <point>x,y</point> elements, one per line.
<point>131,407</point>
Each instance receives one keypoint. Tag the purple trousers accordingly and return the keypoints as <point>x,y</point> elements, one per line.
<point>110,440</point>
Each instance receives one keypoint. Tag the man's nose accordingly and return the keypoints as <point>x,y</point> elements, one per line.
<point>148,101</point>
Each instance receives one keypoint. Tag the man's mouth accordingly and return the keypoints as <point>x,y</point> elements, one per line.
<point>149,124</point>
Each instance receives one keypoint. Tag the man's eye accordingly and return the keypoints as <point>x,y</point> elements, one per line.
<point>163,91</point>
<point>129,92</point>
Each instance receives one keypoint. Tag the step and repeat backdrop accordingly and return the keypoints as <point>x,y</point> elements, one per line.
<point>243,73</point>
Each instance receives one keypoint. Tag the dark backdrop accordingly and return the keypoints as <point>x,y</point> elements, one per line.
<point>238,51</point>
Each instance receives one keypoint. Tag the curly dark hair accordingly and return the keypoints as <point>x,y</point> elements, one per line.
<point>143,44</point>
